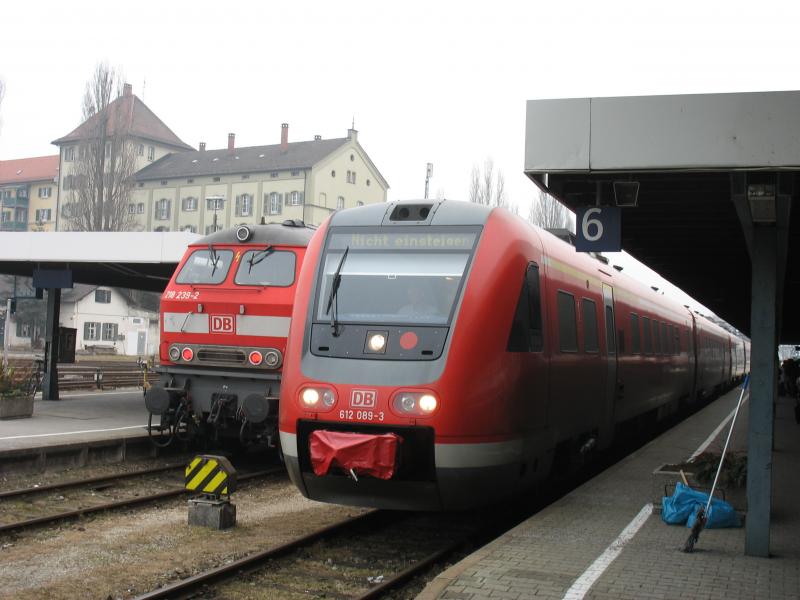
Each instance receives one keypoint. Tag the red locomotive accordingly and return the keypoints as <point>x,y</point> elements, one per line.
<point>224,321</point>
<point>443,354</point>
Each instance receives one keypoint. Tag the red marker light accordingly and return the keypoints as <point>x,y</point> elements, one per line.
<point>408,340</point>
<point>255,357</point>
<point>187,354</point>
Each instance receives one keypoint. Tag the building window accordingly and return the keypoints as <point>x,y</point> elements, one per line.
<point>67,209</point>
<point>348,177</point>
<point>274,203</point>
<point>295,198</point>
<point>340,203</point>
<point>151,153</point>
<point>131,209</point>
<point>23,330</point>
<point>190,228</point>
<point>44,192</point>
<point>102,296</point>
<point>162,209</point>
<point>163,182</point>
<point>333,173</point>
<point>110,332</point>
<point>244,205</point>
<point>245,176</point>
<point>216,178</point>
<point>43,214</point>
<point>212,228</point>
<point>189,203</point>
<point>67,183</point>
<point>140,150</point>
<point>6,194</point>
<point>6,217</point>
<point>295,173</point>
<point>274,174</point>
<point>190,181</point>
<point>69,153</point>
<point>367,182</point>
<point>161,229</point>
<point>323,199</point>
<point>359,203</point>
<point>215,203</point>
<point>91,330</point>
<point>140,208</point>
<point>352,158</point>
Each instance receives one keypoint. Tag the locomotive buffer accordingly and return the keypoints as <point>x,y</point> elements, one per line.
<point>214,478</point>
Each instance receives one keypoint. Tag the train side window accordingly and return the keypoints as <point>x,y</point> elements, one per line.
<point>664,340</point>
<point>535,305</point>
<point>610,341</point>
<point>635,338</point>
<point>526,329</point>
<point>656,340</point>
<point>676,340</point>
<point>590,342</point>
<point>567,327</point>
<point>648,343</point>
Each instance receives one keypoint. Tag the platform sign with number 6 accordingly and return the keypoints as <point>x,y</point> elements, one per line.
<point>599,229</point>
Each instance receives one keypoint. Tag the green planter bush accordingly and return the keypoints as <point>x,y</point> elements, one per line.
<point>16,401</point>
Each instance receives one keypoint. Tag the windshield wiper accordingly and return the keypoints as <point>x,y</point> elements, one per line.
<point>337,279</point>
<point>214,258</point>
<point>259,256</point>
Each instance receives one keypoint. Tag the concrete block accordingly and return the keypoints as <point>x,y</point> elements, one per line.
<point>212,513</point>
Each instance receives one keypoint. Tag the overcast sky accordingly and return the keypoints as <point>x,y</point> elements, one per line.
<point>440,82</point>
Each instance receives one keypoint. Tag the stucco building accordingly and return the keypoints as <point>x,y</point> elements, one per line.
<point>28,192</point>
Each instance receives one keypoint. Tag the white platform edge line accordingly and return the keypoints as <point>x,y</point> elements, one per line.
<point>587,579</point>
<point>715,433</point>
<point>38,435</point>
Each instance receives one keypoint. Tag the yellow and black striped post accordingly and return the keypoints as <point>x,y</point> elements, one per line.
<point>211,475</point>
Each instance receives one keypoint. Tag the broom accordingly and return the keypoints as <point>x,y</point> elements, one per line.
<point>702,514</point>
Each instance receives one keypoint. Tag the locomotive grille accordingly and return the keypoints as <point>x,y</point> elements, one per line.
<point>231,356</point>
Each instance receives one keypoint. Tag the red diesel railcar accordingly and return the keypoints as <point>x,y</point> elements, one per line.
<point>224,321</point>
<point>443,353</point>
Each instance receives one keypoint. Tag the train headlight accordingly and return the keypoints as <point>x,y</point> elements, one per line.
<point>174,353</point>
<point>317,398</point>
<point>272,358</point>
<point>376,342</point>
<point>187,354</point>
<point>255,357</point>
<point>420,404</point>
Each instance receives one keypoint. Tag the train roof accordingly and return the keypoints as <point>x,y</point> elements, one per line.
<point>289,233</point>
<point>413,212</point>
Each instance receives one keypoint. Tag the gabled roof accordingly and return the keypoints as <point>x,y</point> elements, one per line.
<point>253,159</point>
<point>23,170</point>
<point>127,114</point>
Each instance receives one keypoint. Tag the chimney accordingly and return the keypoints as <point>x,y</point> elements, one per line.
<point>127,89</point>
<point>317,138</point>
<point>202,146</point>
<point>231,142</point>
<point>352,134</point>
<point>284,136</point>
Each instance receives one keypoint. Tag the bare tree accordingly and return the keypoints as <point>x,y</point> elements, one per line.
<point>103,168</point>
<point>486,188</point>
<point>548,213</point>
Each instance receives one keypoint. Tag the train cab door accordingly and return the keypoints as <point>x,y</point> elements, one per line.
<point>606,432</point>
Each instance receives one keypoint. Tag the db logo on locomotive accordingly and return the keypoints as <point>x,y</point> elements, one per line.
<point>363,399</point>
<point>222,324</point>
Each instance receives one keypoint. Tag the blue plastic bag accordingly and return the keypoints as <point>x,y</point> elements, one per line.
<point>683,505</point>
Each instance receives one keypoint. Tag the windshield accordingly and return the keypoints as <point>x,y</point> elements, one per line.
<point>403,278</point>
<point>203,266</point>
<point>262,267</point>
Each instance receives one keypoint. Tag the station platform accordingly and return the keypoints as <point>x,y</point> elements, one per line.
<point>606,539</point>
<point>81,428</point>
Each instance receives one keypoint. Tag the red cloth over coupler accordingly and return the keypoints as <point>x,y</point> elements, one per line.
<point>363,453</point>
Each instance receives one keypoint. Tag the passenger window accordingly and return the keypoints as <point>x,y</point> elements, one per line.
<point>648,344</point>
<point>664,340</point>
<point>635,341</point>
<point>590,342</point>
<point>526,329</point>
<point>567,328</point>
<point>535,305</point>
<point>610,342</point>
<point>656,341</point>
<point>677,340</point>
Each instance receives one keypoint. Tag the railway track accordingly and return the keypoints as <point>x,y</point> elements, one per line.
<point>362,557</point>
<point>22,508</point>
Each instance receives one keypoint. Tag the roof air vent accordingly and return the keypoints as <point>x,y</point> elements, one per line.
<point>410,212</point>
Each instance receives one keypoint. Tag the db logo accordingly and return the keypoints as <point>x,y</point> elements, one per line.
<point>363,399</point>
<point>222,324</point>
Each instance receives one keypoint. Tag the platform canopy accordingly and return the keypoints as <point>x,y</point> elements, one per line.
<point>136,260</point>
<point>695,158</point>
